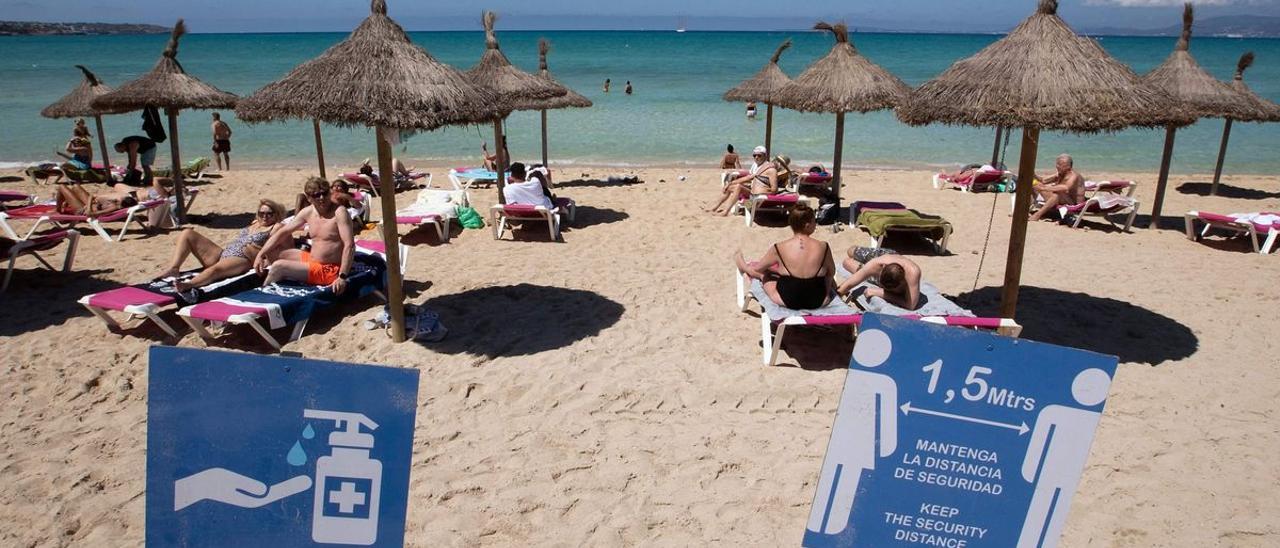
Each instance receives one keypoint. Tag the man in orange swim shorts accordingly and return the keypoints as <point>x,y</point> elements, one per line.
<point>332,243</point>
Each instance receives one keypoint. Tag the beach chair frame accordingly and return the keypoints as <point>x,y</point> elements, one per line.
<point>1238,228</point>
<point>501,217</point>
<point>69,221</point>
<point>32,247</point>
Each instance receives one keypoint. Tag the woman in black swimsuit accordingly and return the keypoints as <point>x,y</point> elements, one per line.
<point>797,273</point>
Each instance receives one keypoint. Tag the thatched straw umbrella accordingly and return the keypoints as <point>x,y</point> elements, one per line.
<point>1264,111</point>
<point>515,88</point>
<point>77,105</point>
<point>843,81</point>
<point>570,99</point>
<point>761,88</point>
<point>376,77</point>
<point>169,87</point>
<point>1199,93</point>
<point>1040,76</point>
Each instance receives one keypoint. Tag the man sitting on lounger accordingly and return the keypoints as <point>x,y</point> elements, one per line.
<point>898,277</point>
<point>332,243</point>
<point>1066,187</point>
<point>533,191</point>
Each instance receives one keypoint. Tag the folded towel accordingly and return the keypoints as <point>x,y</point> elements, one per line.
<point>879,221</point>
<point>1108,200</point>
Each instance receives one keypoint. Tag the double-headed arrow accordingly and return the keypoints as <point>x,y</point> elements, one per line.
<point>1021,428</point>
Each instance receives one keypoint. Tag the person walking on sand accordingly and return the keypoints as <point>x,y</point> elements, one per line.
<point>627,89</point>
<point>221,142</point>
<point>606,85</point>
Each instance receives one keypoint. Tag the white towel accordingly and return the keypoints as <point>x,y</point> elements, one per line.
<point>1108,200</point>
<point>275,317</point>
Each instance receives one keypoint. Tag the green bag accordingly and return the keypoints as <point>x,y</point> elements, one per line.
<point>468,217</point>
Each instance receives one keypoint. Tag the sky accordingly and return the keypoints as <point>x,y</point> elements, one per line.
<point>341,15</point>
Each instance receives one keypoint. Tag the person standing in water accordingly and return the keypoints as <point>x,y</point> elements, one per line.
<point>606,85</point>
<point>628,88</point>
<point>751,110</point>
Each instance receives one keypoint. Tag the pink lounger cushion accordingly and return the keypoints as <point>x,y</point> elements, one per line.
<point>218,311</point>
<point>856,319</point>
<point>118,299</point>
<point>376,246</point>
<point>815,178</point>
<point>13,195</point>
<point>416,219</point>
<point>781,198</point>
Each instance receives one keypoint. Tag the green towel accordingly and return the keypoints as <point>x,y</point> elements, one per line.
<point>878,221</point>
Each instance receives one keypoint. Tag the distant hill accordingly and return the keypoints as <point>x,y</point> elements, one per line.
<point>1248,26</point>
<point>29,28</point>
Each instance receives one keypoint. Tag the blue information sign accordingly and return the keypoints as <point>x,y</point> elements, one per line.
<point>248,450</point>
<point>956,438</point>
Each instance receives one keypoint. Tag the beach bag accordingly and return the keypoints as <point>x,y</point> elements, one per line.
<point>468,217</point>
<point>420,324</point>
<point>828,213</point>
<point>152,125</point>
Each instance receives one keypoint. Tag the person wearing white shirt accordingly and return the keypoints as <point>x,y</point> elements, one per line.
<point>521,191</point>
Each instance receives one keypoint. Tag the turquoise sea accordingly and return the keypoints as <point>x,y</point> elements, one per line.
<point>675,116</point>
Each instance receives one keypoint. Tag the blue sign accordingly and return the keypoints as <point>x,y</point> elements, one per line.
<point>248,450</point>
<point>956,438</point>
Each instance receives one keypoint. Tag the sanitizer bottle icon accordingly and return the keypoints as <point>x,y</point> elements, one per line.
<point>348,483</point>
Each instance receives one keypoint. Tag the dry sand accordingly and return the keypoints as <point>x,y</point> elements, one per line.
<point>605,391</point>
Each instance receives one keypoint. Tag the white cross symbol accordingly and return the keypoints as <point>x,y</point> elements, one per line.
<point>346,497</point>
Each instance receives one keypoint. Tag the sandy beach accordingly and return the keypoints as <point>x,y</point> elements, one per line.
<point>605,391</point>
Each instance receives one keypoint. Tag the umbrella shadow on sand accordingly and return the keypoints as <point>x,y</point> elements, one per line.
<point>1226,191</point>
<point>611,182</point>
<point>1098,324</point>
<point>520,320</point>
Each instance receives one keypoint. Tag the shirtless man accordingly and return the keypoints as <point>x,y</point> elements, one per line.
<point>898,279</point>
<point>221,142</point>
<point>332,243</point>
<point>1066,187</point>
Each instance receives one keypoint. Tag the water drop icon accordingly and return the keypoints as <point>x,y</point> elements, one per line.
<point>297,456</point>
<point>308,433</point>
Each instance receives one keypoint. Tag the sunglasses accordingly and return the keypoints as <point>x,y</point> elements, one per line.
<point>758,155</point>
<point>267,213</point>
<point>318,194</point>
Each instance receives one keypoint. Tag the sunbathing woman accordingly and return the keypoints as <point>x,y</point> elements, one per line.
<point>75,200</point>
<point>898,278</point>
<point>763,180</point>
<point>220,263</point>
<point>805,277</point>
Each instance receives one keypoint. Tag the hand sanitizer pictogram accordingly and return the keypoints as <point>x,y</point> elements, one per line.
<point>348,482</point>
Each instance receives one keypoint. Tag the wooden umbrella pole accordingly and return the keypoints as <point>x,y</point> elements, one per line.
<point>387,191</point>
<point>1222,154</point>
<point>315,124</point>
<point>1163,181</point>
<point>178,192</point>
<point>768,129</point>
<point>106,163</point>
<point>544,139</point>
<point>501,161</point>
<point>995,149</point>
<point>835,168</point>
<point>1018,232</point>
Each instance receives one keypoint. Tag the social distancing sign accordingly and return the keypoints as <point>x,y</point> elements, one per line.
<point>248,450</point>
<point>956,438</point>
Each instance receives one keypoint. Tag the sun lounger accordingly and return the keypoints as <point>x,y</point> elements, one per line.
<point>1102,199</point>
<point>436,208</point>
<point>878,219</point>
<point>288,303</point>
<point>148,300</point>
<point>979,179</point>
<point>32,245</point>
<point>13,198</point>
<point>466,177</point>
<point>780,202</point>
<point>776,319</point>
<point>193,170</point>
<point>1254,226</point>
<point>47,213</point>
<point>371,183</point>
<point>819,181</point>
<point>501,216</point>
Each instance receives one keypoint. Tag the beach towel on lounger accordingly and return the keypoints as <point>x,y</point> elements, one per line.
<point>291,302</point>
<point>880,221</point>
<point>216,290</point>
<point>933,303</point>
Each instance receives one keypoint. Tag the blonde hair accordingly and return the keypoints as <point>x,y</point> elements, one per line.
<point>275,206</point>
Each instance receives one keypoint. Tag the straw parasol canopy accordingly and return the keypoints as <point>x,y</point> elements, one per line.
<point>167,86</point>
<point>515,87</point>
<point>1263,111</point>
<point>843,81</point>
<point>762,87</point>
<point>1196,91</point>
<point>1039,76</point>
<point>78,104</point>
<point>377,77</point>
<point>570,99</point>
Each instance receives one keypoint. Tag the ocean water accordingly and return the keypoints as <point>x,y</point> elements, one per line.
<point>675,116</point>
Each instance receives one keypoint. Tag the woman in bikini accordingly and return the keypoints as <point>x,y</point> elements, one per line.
<point>799,272</point>
<point>75,200</point>
<point>224,262</point>
<point>763,179</point>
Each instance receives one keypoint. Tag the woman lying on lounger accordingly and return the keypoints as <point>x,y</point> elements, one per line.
<point>75,200</point>
<point>897,277</point>
<point>236,258</point>
<point>763,179</point>
<point>805,276</point>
